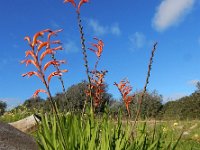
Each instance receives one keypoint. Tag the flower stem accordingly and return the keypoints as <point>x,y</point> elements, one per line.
<point>59,77</point>
<point>86,62</point>
<point>146,83</point>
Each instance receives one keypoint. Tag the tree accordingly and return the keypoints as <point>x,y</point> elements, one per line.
<point>151,104</point>
<point>198,87</point>
<point>75,96</point>
<point>3,107</point>
<point>37,103</point>
<point>187,107</point>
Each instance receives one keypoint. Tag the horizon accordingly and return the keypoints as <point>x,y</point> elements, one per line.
<point>128,34</point>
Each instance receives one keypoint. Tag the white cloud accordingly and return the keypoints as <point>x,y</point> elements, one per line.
<point>70,47</point>
<point>97,28</point>
<point>100,30</point>
<point>171,12</point>
<point>115,30</point>
<point>137,40</point>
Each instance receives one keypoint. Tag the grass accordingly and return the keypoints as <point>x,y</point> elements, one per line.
<point>170,130</point>
<point>103,133</point>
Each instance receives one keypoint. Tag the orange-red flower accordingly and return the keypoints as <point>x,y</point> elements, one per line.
<point>99,47</point>
<point>41,33</point>
<point>53,33</point>
<point>74,4</point>
<point>28,39</point>
<point>39,91</point>
<point>71,1</point>
<point>31,73</point>
<point>30,61</point>
<point>41,45</point>
<point>53,62</point>
<point>97,86</point>
<point>31,53</point>
<point>125,88</point>
<point>56,73</point>
<point>80,4</point>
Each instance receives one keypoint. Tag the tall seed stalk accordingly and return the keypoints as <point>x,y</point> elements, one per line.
<point>146,83</point>
<point>86,62</point>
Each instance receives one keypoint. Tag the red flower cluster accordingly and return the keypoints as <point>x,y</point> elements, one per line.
<point>97,86</point>
<point>37,56</point>
<point>125,88</point>
<point>99,47</point>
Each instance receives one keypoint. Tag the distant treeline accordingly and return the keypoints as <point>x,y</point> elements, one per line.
<point>152,107</point>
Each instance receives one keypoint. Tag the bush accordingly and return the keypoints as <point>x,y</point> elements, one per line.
<point>3,107</point>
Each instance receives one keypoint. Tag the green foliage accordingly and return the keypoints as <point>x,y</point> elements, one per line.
<point>3,106</point>
<point>197,87</point>
<point>99,134</point>
<point>34,103</point>
<point>16,114</point>
<point>185,108</point>
<point>151,105</point>
<point>74,98</point>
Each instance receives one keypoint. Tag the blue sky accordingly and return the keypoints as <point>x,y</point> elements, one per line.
<point>128,30</point>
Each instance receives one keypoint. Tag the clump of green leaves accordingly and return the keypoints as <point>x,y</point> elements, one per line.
<point>99,134</point>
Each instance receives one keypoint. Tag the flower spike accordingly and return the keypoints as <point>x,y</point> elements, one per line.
<point>125,88</point>
<point>99,47</point>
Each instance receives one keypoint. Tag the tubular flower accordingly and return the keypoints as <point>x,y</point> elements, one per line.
<point>80,4</point>
<point>39,91</point>
<point>30,61</point>
<point>53,33</point>
<point>31,73</point>
<point>49,51</point>
<point>41,45</point>
<point>30,53</point>
<point>125,88</point>
<point>99,47</point>
<point>53,62</point>
<point>38,34</point>
<point>28,39</point>
<point>56,73</point>
<point>74,4</point>
<point>71,1</point>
